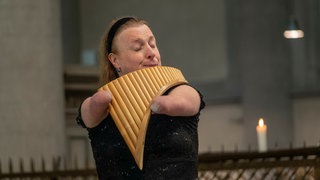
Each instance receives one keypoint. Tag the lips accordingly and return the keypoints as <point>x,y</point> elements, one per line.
<point>150,65</point>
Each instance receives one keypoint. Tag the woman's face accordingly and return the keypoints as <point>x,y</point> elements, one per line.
<point>136,48</point>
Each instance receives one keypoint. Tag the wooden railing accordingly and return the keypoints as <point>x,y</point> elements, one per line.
<point>59,170</point>
<point>299,163</point>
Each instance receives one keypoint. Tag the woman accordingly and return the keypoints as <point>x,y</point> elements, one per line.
<point>171,145</point>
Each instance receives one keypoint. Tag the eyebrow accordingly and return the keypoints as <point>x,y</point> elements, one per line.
<point>139,40</point>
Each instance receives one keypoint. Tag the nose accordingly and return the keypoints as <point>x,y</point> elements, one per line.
<point>150,52</point>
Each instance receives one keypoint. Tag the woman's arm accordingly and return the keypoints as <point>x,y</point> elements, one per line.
<point>94,108</point>
<point>181,101</point>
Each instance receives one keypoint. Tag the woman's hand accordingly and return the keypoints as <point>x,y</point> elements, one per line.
<point>181,101</point>
<point>95,108</point>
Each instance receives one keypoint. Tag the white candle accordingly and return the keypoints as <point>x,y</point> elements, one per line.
<point>262,136</point>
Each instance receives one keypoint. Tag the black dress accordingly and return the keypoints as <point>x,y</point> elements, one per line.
<point>171,149</point>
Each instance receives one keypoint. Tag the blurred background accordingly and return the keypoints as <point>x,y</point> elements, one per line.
<point>233,51</point>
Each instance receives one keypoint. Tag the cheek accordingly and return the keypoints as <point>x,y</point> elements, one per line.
<point>158,56</point>
<point>130,63</point>
<point>133,59</point>
<point>128,59</point>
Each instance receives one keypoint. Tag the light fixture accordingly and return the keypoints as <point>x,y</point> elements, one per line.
<point>293,30</point>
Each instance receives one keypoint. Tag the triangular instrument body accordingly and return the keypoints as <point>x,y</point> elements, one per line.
<point>131,98</point>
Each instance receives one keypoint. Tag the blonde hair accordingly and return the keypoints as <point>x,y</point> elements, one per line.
<point>107,70</point>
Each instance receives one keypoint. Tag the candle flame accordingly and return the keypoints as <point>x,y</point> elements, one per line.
<point>261,122</point>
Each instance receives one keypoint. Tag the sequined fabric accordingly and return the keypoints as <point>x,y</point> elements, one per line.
<point>171,149</point>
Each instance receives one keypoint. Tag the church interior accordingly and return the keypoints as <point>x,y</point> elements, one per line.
<point>236,53</point>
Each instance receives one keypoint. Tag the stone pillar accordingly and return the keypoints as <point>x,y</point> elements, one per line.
<point>264,58</point>
<point>31,80</point>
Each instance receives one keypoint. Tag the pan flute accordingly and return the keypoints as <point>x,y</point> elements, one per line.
<point>131,98</point>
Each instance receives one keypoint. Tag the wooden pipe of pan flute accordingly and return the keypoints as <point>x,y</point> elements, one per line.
<point>130,106</point>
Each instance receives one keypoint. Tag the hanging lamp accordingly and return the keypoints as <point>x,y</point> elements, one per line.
<point>293,30</point>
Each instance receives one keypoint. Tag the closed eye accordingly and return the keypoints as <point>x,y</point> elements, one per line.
<point>137,48</point>
<point>137,45</point>
<point>152,42</point>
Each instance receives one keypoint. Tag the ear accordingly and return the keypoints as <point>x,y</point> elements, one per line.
<point>114,60</point>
